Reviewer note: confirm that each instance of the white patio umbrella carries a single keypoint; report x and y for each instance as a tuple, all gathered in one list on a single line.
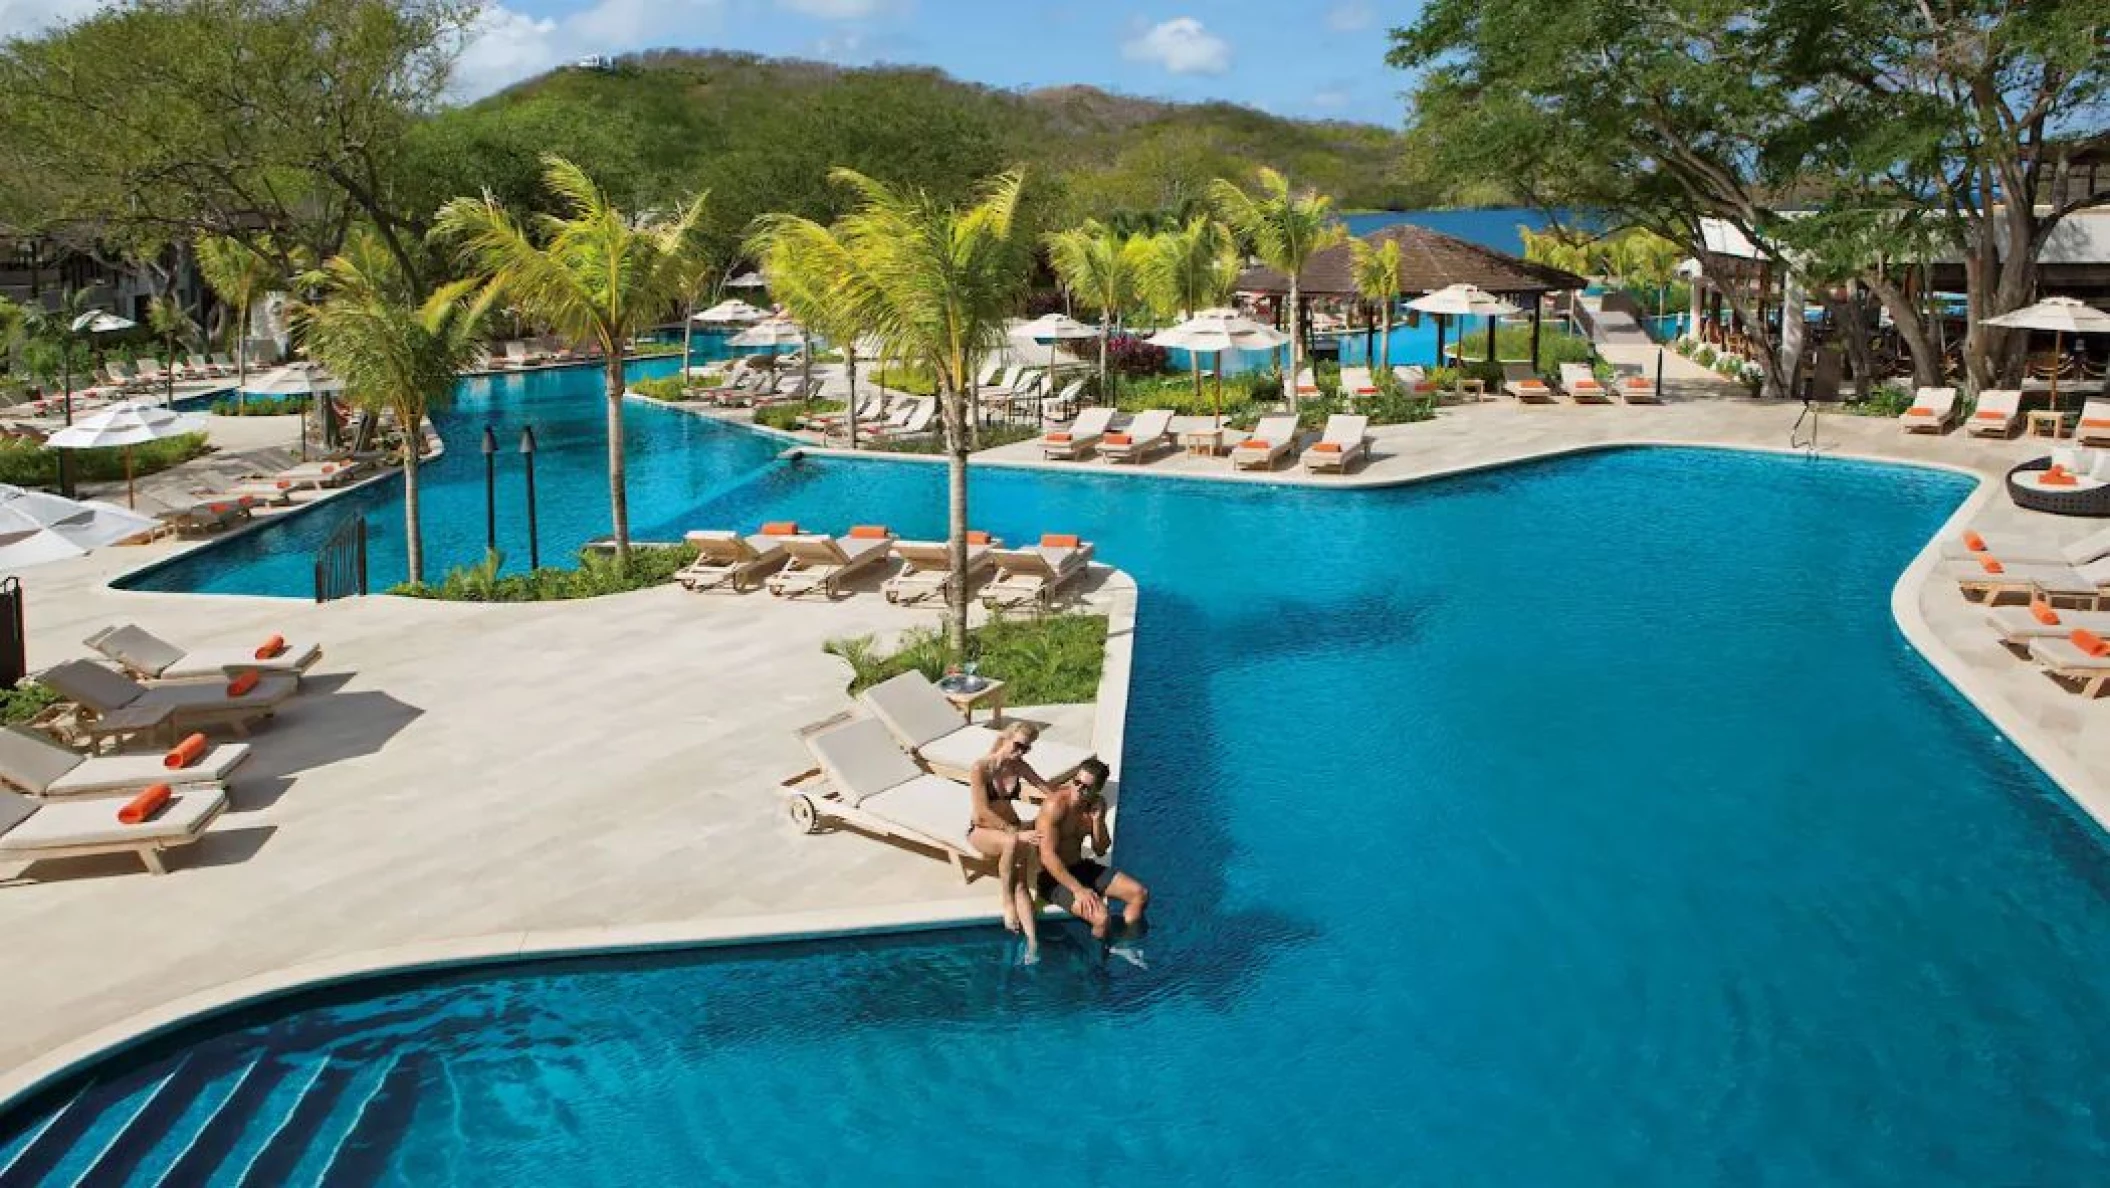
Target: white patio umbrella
[(1052, 329), (774, 332), (125, 424), (732, 312), (1214, 331), (1460, 300), (748, 280), (95, 321), (36, 527), (297, 379), (2060, 315)]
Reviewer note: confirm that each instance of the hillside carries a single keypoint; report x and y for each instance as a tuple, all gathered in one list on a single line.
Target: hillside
[(761, 133)]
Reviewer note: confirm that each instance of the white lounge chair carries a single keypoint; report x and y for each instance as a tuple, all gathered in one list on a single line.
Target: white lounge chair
[(926, 570), (916, 713), (821, 564), (1307, 383), (1079, 438), (37, 766), (31, 830), (1582, 385), (915, 422), (867, 781), (2017, 625), (2092, 547), (1414, 379), (149, 657), (2088, 583), (1034, 576), (1265, 446), (1999, 413), (1634, 385), (2094, 429), (1344, 442), (728, 560), (1357, 381), (113, 705), (1150, 431), (1933, 410), (2081, 656), (1522, 382)]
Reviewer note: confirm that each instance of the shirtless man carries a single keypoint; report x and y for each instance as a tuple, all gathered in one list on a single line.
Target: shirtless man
[(1074, 811)]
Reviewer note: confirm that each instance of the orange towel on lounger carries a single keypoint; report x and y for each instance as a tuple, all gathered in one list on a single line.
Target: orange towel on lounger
[(1326, 447), (185, 753), (283, 484), (144, 805), (1990, 414), (2056, 478), (1118, 439), (2041, 611), (1060, 438), (781, 528), (1991, 566), (271, 648), (2095, 423), (1638, 383), (975, 537), (1974, 542), (869, 532), (1253, 443), (1059, 540), (242, 684), (2091, 643), (1919, 411)]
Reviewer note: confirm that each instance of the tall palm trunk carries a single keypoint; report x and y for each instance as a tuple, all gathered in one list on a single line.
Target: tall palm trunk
[(618, 480), (1296, 346), (1384, 344), (1106, 330), (413, 538), (688, 338), (241, 361), (850, 407), (956, 520)]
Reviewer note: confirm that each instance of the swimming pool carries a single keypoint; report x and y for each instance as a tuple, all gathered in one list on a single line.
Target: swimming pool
[(1585, 822)]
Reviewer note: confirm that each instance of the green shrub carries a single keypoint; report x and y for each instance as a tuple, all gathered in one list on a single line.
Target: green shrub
[(914, 379), (1704, 356), (1884, 400), (1002, 433), (25, 701), (260, 406), (598, 573), (664, 388), (1514, 342), (786, 416), (26, 464), (1050, 660)]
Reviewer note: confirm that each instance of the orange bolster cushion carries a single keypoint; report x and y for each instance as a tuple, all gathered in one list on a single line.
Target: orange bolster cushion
[(1588, 383), (1326, 447), (144, 805), (1424, 386), (1302, 388), (1118, 439), (329, 468), (1060, 437), (2096, 422), (1638, 382), (781, 528), (1059, 540), (185, 753), (271, 648), (283, 484), (2091, 643), (2041, 611), (977, 537), (1918, 410), (1253, 443), (1974, 542), (1990, 414), (1991, 566), (218, 509), (1531, 383), (2057, 478), (869, 532), (242, 684), (1366, 390)]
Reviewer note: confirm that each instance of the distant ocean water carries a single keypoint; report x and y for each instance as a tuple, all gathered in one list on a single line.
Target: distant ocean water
[(1495, 227)]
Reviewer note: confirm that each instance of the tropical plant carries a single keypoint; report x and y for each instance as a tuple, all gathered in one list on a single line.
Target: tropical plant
[(241, 276), (1376, 270), (592, 273), (1285, 229), (813, 274), (697, 274), (1189, 270), (174, 326), (395, 354), (1102, 270)]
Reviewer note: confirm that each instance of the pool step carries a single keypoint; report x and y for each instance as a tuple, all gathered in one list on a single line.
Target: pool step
[(221, 1119), (274, 1162), (39, 1149), (374, 1129), (148, 1126), (95, 1118)]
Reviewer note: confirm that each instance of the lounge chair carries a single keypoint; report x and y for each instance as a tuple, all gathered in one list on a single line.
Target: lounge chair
[(1520, 381), (321, 473), (1344, 442), (915, 422), (868, 782), (1307, 383), (869, 409), (1356, 381), (1583, 386), (728, 560), (208, 516), (2017, 625), (1414, 379), (1265, 446), (1150, 431), (31, 830), (37, 766), (821, 564), (916, 713), (225, 363), (2094, 429), (1999, 413), (1991, 579), (1033, 576), (113, 705), (1933, 410), (1079, 438), (149, 371), (1634, 385), (2092, 547), (2081, 656), (927, 568), (151, 658)]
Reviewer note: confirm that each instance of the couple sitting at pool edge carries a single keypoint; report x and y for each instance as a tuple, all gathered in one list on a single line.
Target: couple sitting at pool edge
[(1047, 855)]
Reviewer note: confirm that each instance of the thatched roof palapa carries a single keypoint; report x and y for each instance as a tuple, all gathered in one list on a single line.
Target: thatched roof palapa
[(1428, 261)]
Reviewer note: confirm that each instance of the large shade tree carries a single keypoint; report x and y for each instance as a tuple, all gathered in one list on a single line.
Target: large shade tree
[(395, 353), (593, 273), (1285, 228), (1102, 269)]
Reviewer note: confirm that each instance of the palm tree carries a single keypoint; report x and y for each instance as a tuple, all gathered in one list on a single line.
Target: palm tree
[(595, 274), (394, 354), (175, 327), (934, 283), (241, 276), (813, 273), (697, 274), (1186, 271), (1286, 229), (1102, 270), (1376, 271)]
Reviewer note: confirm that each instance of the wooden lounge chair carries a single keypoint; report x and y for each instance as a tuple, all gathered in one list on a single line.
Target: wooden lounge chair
[(1413, 379), (1079, 437), (2018, 625), (1633, 385), (1971, 546), (1991, 579), (1520, 381), (1149, 432), (1999, 413), (38, 766), (1583, 385), (869, 409), (1035, 576), (2081, 656), (916, 713), (1357, 381), (151, 658), (730, 561), (926, 570), (862, 779), (2094, 429), (1344, 442), (1307, 383), (821, 564), (113, 705), (1266, 445), (1933, 410), (31, 830), (209, 516)]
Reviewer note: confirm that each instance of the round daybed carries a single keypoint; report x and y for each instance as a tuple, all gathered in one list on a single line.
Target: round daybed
[(2086, 497)]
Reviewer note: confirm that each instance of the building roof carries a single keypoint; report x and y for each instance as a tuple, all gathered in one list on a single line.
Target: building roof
[(1428, 261)]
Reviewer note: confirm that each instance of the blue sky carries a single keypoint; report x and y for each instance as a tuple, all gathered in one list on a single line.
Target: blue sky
[(1318, 58)]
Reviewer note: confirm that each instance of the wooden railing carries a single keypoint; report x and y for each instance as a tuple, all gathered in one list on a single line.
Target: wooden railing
[(340, 565)]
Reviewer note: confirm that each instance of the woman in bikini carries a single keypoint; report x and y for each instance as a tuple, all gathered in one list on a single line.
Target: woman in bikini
[(996, 787)]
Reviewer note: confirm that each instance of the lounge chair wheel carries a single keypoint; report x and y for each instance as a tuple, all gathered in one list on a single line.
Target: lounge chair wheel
[(804, 815)]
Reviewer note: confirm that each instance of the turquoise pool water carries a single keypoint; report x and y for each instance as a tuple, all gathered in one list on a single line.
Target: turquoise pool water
[(1580, 823)]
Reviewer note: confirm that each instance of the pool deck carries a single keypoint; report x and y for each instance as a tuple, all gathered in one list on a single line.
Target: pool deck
[(463, 781)]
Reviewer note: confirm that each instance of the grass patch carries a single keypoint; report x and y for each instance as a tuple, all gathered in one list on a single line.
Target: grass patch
[(1052, 660), (664, 388), (786, 416), (1000, 434), (912, 379), (26, 464), (25, 701), (598, 574), (261, 406)]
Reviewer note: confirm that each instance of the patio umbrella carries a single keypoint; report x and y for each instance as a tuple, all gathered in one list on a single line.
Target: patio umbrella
[(1214, 331), (727, 313), (125, 424), (95, 321), (1052, 329), (748, 280), (774, 332), (36, 527), (1460, 301), (298, 379), (2060, 315)]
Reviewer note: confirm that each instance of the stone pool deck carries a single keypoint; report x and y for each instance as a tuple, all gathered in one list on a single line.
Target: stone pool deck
[(483, 780)]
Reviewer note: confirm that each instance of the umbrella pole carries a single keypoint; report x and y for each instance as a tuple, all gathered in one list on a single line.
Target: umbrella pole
[(2056, 342), (1219, 391), (131, 496)]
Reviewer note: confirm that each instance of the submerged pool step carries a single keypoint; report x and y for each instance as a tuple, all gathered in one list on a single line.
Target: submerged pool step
[(36, 1151), (147, 1126), (281, 1152), (367, 1124), (218, 1116), (94, 1120)]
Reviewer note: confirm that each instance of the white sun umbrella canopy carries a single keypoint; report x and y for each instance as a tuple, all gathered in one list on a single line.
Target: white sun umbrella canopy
[(1214, 331), (1461, 300), (2060, 315), (733, 312), (127, 424), (774, 332), (295, 379), (748, 280), (36, 527), (95, 321)]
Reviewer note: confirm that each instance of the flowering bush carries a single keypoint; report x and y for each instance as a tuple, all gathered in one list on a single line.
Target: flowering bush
[(1127, 354)]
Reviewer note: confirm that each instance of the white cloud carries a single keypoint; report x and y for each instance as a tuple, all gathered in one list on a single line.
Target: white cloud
[(1349, 16), (1331, 100), (25, 18), (835, 10), (1182, 46), (504, 46)]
